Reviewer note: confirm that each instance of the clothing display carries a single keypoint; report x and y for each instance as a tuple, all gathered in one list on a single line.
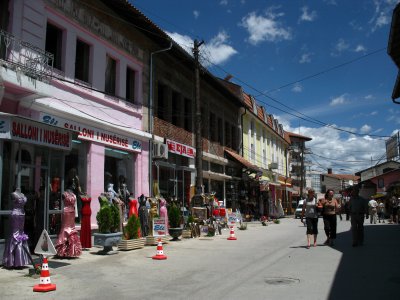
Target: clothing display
[(133, 207), (16, 252), (86, 232), (153, 213), (121, 208), (143, 216), (68, 243), (164, 213)]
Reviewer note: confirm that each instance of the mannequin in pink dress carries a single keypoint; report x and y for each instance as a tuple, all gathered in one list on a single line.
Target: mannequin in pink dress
[(133, 209), (68, 242), (164, 213)]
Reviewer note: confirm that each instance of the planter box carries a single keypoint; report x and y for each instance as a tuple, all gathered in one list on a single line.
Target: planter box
[(131, 244), (186, 234), (107, 240), (152, 241)]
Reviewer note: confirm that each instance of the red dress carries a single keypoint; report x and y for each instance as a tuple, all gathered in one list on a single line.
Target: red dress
[(86, 232), (133, 209)]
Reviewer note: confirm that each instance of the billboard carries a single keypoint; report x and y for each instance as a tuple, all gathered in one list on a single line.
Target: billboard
[(392, 147)]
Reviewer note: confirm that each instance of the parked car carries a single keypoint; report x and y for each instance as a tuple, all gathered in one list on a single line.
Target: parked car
[(299, 209)]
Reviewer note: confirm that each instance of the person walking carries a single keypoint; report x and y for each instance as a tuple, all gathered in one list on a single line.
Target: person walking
[(310, 212), (373, 211), (381, 212), (329, 209), (339, 211), (358, 209)]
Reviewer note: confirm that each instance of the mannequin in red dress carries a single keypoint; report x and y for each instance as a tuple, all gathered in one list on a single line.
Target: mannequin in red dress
[(86, 232), (134, 209)]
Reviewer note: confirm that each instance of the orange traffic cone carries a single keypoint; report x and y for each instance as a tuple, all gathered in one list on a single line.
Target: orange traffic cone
[(160, 252), (45, 284), (232, 236)]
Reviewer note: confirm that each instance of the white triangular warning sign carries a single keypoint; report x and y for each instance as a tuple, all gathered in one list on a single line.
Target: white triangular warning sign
[(44, 246)]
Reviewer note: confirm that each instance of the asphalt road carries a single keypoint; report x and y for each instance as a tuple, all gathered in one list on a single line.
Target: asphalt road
[(265, 262)]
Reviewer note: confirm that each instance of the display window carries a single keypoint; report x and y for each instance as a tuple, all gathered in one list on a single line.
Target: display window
[(31, 168)]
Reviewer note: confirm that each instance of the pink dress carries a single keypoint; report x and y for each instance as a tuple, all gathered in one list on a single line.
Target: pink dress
[(68, 242), (164, 213)]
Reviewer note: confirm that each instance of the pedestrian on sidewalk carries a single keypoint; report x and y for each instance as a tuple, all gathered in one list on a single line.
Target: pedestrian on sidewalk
[(373, 211), (339, 210), (381, 211), (358, 209), (310, 212), (329, 209)]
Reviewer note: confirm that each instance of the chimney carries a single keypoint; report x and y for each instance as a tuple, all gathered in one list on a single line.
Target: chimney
[(329, 170), (228, 77)]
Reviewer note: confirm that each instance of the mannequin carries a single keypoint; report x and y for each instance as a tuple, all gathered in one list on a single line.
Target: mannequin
[(133, 206), (152, 214), (86, 232), (123, 190), (68, 243), (74, 185), (164, 212), (143, 216), (16, 252)]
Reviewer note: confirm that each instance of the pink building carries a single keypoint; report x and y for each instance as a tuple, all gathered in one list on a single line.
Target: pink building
[(71, 107)]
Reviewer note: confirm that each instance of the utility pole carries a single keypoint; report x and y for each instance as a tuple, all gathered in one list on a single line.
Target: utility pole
[(302, 170), (199, 144)]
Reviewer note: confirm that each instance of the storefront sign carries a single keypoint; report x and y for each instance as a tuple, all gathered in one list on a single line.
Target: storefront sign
[(23, 130), (94, 134), (181, 149), (159, 227)]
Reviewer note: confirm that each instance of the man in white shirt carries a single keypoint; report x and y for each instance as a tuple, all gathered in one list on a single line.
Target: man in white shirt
[(373, 210)]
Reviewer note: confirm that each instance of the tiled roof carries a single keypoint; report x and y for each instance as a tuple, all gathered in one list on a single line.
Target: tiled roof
[(292, 134)]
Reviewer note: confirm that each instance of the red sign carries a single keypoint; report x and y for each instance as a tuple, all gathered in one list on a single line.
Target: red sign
[(181, 149)]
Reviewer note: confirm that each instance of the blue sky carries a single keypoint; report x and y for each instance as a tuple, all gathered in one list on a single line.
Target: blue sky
[(322, 61)]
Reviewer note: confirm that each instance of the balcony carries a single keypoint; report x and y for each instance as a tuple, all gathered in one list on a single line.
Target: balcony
[(25, 58)]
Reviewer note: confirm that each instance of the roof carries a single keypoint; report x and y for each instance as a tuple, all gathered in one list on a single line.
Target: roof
[(379, 165), (242, 160), (299, 136), (343, 176)]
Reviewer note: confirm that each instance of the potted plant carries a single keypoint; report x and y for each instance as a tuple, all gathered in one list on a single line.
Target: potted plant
[(108, 223), (131, 239), (174, 218)]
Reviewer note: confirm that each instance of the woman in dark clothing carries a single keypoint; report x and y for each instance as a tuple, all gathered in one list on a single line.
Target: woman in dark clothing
[(330, 207)]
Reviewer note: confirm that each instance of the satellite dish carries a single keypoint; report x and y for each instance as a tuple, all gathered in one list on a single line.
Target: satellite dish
[(350, 182)]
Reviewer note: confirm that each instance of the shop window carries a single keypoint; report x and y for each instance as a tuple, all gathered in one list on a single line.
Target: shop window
[(111, 76), (130, 85), (117, 166), (82, 61), (54, 36)]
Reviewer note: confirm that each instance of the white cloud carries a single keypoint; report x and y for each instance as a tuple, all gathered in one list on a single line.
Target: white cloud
[(305, 58), (365, 128), (369, 97), (338, 101), (382, 13), (339, 47), (297, 88), (196, 14), (330, 2), (216, 51), (360, 48), (265, 27), (223, 2), (307, 16)]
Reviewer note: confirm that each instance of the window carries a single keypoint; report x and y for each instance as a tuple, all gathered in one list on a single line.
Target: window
[(228, 141), (253, 153), (54, 44), (213, 127), (176, 107), (188, 115), (130, 85), (220, 131), (234, 138), (161, 102), (82, 58), (111, 75)]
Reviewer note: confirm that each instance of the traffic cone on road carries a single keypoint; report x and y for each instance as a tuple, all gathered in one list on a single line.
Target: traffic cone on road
[(160, 252), (232, 236), (45, 284)]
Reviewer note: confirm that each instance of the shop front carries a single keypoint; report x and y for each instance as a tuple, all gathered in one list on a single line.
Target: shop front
[(172, 178), (33, 161)]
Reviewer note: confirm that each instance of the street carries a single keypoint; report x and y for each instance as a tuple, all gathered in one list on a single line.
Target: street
[(265, 262)]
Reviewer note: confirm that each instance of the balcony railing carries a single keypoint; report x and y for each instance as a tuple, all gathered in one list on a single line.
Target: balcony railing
[(24, 57)]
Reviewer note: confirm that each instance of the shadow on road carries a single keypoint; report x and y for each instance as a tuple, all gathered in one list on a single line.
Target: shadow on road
[(371, 271)]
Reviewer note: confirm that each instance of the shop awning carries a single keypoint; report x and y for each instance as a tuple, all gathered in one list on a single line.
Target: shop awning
[(85, 111), (243, 161), (378, 195)]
